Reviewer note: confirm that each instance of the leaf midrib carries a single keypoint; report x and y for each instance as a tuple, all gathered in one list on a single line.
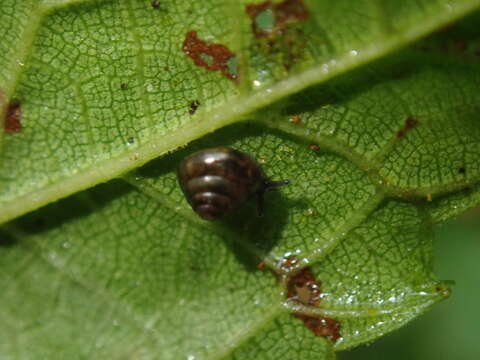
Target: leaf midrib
[(225, 115)]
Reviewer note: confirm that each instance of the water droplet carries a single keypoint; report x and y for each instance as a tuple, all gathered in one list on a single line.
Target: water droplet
[(353, 53), (150, 88), (256, 83)]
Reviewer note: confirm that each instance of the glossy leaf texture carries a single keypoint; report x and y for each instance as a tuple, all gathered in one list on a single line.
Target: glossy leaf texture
[(375, 127)]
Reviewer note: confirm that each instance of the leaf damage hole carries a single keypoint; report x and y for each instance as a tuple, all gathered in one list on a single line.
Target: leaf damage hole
[(410, 123), (277, 25), (303, 288), (211, 56), (13, 117)]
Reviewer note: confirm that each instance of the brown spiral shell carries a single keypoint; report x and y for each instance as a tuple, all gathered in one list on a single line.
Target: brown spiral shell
[(217, 181)]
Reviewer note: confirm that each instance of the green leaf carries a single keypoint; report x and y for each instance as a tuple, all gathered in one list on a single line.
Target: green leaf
[(379, 141)]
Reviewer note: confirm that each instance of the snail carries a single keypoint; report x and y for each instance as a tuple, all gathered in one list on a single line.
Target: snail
[(219, 180)]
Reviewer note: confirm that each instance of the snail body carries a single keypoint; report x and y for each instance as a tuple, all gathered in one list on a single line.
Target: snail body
[(217, 181)]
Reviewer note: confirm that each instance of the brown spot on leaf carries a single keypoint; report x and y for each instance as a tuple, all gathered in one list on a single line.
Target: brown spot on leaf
[(211, 56), (295, 119), (270, 19), (410, 123), (193, 107), (124, 86), (276, 24), (314, 147), (261, 265), (302, 287), (289, 263), (322, 326), (13, 116)]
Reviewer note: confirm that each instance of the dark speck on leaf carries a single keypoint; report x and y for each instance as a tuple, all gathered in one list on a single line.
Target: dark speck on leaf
[(193, 107), (124, 86), (462, 170), (131, 140), (155, 4)]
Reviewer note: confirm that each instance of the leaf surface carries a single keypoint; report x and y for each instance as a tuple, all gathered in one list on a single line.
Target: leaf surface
[(379, 144)]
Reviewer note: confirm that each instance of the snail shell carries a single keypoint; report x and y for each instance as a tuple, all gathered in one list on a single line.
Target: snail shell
[(219, 180)]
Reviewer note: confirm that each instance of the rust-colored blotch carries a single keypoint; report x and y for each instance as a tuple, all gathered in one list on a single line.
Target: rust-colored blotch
[(211, 56), (305, 289), (13, 118), (322, 326), (410, 123), (261, 265), (296, 119), (289, 263), (285, 13)]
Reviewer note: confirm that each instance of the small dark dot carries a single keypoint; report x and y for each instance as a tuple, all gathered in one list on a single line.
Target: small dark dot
[(124, 86), (462, 170), (155, 4), (193, 107), (131, 140)]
